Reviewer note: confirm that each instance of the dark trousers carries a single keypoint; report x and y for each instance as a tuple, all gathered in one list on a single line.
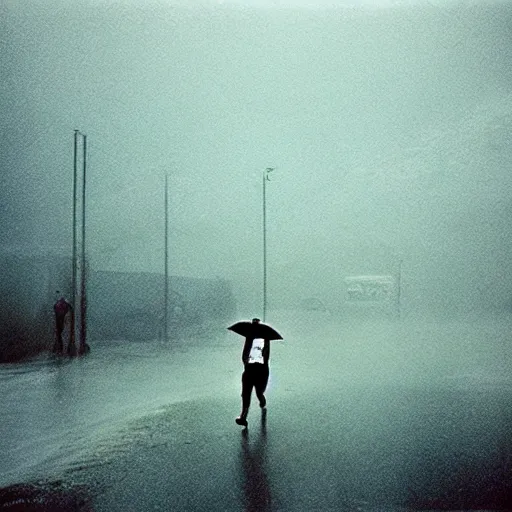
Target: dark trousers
[(255, 376), (59, 328)]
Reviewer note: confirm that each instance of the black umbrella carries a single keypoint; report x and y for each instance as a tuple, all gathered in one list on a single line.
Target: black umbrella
[(255, 330)]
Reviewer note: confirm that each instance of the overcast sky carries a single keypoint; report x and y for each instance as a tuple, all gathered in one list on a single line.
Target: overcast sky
[(389, 129)]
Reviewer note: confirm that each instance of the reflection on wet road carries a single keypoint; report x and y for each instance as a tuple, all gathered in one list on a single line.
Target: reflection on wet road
[(257, 495)]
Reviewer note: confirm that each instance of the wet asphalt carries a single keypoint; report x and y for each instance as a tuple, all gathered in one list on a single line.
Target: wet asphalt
[(336, 452), (358, 428)]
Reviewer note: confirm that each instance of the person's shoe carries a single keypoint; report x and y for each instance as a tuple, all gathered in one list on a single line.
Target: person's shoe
[(241, 421)]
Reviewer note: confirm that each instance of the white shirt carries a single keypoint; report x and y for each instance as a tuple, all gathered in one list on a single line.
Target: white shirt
[(256, 353)]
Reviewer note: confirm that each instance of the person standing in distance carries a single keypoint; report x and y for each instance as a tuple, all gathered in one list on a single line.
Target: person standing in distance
[(61, 308)]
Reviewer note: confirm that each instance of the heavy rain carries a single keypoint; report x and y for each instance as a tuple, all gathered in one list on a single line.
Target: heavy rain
[(338, 169)]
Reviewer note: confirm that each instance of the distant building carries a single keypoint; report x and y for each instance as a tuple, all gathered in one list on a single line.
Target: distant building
[(370, 288), (130, 305), (120, 305), (371, 294)]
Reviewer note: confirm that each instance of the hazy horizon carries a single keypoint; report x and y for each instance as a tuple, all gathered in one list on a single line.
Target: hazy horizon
[(389, 130)]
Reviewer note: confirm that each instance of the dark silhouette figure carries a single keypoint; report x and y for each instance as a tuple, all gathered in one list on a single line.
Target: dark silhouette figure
[(255, 356), (61, 308)]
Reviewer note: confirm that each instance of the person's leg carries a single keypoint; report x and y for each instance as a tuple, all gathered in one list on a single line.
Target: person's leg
[(261, 384), (59, 327), (247, 385)]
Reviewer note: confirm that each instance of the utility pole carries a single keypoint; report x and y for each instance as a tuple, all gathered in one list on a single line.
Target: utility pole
[(83, 271), (71, 344), (83, 287), (166, 261), (266, 178)]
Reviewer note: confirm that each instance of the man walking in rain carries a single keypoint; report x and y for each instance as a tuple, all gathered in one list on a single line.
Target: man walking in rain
[(255, 356)]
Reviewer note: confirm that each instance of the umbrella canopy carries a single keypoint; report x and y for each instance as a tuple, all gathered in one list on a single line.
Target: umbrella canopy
[(255, 330)]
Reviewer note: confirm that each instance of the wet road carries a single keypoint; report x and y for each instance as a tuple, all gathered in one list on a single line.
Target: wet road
[(381, 415), (55, 408)]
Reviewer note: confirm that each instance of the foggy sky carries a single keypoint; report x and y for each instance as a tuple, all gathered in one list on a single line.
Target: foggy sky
[(389, 130)]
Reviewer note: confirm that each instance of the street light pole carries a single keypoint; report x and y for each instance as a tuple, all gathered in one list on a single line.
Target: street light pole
[(266, 178)]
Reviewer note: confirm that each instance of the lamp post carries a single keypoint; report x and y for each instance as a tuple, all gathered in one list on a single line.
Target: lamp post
[(266, 178)]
